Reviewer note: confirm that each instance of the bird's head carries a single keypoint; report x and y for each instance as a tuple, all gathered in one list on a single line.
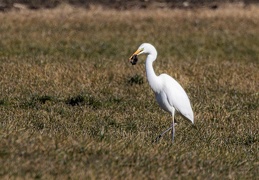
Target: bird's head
[(144, 48)]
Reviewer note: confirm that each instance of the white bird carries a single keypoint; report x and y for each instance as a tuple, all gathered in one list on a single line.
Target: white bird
[(169, 94)]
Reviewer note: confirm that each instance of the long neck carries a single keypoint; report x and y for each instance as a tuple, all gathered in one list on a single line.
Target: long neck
[(151, 76)]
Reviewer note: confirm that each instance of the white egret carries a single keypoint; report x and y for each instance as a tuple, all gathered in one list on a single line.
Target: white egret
[(169, 94)]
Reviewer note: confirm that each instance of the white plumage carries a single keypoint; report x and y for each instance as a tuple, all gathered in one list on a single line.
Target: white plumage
[(169, 94)]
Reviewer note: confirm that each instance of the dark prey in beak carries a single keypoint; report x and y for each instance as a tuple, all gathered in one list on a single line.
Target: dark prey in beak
[(134, 59)]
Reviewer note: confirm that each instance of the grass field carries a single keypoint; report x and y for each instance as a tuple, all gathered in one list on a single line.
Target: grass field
[(72, 106)]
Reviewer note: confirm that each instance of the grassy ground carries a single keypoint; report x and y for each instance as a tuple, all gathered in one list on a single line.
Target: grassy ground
[(72, 106)]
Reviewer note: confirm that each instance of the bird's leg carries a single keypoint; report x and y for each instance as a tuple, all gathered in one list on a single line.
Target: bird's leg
[(173, 129), (160, 135)]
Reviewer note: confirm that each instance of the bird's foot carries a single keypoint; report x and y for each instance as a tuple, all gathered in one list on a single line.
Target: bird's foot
[(162, 134), (157, 139)]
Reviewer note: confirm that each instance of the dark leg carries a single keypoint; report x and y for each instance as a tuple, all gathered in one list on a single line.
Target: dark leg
[(161, 135)]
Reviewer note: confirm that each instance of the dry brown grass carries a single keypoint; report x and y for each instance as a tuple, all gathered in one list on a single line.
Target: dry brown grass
[(72, 107)]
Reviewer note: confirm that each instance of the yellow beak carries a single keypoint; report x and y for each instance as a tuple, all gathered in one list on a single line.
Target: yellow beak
[(135, 53)]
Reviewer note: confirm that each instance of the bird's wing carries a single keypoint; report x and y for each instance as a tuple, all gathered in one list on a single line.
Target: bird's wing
[(177, 97)]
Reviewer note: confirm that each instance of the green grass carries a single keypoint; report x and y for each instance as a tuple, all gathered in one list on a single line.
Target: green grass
[(72, 106)]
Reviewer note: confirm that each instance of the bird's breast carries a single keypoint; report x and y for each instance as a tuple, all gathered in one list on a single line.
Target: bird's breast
[(162, 100)]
